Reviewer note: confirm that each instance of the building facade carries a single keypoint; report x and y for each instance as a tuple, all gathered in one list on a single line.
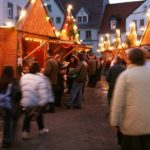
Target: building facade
[(9, 10), (56, 12), (139, 17), (112, 33)]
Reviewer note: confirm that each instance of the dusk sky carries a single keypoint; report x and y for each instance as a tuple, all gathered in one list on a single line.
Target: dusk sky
[(120, 1)]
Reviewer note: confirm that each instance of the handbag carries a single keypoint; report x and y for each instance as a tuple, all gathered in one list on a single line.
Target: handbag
[(5, 99)]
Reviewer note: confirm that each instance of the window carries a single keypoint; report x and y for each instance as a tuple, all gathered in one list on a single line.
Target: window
[(58, 20), (84, 18), (49, 7), (142, 22), (10, 10), (113, 24), (18, 10), (79, 19), (88, 35)]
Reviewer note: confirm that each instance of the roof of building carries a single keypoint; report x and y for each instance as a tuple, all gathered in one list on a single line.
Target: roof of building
[(60, 5), (120, 11), (93, 7), (30, 22)]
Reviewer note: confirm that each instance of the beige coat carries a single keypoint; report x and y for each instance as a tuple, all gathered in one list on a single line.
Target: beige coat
[(131, 101)]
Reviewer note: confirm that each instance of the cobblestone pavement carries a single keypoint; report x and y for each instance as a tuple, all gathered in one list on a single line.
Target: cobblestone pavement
[(86, 129)]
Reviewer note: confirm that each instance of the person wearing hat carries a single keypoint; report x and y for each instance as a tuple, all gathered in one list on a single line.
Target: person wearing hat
[(76, 94)]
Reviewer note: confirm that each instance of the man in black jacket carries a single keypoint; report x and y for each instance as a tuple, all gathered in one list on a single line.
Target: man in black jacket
[(111, 77), (112, 74)]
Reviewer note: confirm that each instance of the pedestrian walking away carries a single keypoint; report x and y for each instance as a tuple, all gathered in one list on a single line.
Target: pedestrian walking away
[(131, 105)]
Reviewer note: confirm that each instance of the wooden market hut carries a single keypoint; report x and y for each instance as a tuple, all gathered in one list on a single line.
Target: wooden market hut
[(36, 35), (8, 47), (66, 48), (35, 30), (119, 47), (29, 39)]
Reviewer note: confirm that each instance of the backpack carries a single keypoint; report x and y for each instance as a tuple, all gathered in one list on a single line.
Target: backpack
[(5, 98)]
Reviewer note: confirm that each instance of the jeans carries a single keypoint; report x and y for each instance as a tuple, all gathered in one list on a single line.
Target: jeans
[(76, 94), (28, 118), (92, 80), (10, 119)]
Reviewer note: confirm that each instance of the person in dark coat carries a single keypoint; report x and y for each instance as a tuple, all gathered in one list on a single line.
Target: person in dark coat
[(51, 71), (92, 70), (112, 74), (111, 77), (59, 89), (76, 94)]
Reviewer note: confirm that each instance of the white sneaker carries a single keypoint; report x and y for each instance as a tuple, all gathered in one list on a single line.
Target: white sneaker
[(44, 131), (25, 136)]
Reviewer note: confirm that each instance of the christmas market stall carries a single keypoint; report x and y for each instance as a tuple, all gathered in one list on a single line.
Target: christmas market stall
[(8, 47), (35, 34), (118, 47), (35, 31), (29, 39)]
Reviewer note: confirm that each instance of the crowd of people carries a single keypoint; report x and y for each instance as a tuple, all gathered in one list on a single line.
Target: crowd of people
[(38, 90)]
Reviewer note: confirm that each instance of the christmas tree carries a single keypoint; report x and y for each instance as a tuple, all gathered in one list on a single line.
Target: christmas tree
[(70, 29), (117, 42)]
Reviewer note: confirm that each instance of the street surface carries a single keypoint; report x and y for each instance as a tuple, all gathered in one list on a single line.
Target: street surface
[(73, 129)]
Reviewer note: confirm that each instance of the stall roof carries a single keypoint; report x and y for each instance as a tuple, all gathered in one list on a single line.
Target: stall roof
[(35, 19), (145, 40)]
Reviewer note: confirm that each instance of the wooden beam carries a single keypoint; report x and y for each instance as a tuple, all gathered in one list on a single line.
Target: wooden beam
[(35, 50)]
